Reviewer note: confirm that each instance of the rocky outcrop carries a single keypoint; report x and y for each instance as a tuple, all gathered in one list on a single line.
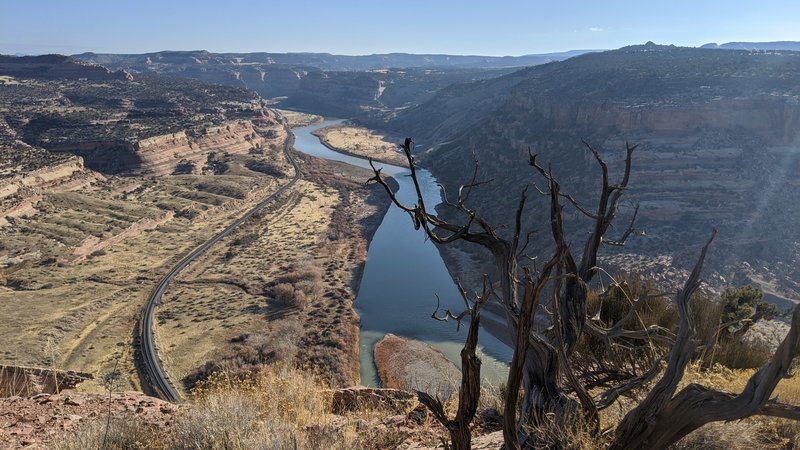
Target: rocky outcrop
[(359, 398), (42, 177), (28, 381), (162, 154), (20, 193), (717, 135), (35, 422), (94, 244), (58, 66), (772, 118)]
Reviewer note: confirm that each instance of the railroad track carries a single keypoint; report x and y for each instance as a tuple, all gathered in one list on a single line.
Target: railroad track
[(152, 374)]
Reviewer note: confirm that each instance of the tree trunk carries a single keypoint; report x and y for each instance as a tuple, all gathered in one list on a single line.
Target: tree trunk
[(696, 406)]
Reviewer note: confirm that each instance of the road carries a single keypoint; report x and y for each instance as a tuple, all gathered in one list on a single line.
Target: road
[(152, 374)]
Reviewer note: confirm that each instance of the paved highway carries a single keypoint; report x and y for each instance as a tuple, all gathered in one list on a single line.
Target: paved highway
[(151, 372)]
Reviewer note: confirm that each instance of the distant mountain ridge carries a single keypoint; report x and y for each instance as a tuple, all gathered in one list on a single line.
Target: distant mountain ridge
[(756, 46), (333, 85), (57, 67), (330, 62)]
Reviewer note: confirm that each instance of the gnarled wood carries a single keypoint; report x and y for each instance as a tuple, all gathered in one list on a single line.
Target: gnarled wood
[(470, 389), (670, 419)]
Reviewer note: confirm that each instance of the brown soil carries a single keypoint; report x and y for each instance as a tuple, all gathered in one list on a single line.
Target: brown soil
[(36, 421), (414, 365)]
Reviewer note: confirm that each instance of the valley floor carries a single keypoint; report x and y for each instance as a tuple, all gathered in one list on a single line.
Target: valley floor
[(77, 268)]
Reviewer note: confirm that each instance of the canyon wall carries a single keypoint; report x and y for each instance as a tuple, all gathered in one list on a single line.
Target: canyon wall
[(718, 145), (161, 155), (42, 177)]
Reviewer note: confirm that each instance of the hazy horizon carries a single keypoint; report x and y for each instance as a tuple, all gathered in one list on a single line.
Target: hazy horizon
[(363, 28)]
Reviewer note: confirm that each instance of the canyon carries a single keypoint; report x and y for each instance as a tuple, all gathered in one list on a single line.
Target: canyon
[(717, 137)]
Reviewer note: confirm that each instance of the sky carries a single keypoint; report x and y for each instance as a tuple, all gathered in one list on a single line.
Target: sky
[(485, 27)]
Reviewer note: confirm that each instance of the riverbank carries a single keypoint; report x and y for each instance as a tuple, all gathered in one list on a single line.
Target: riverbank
[(296, 119), (404, 271), (411, 365), (362, 143), (282, 287)]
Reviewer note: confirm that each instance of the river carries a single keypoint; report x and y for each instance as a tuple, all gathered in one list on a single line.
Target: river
[(402, 273)]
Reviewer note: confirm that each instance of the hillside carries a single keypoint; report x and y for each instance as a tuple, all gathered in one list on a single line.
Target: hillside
[(751, 46), (106, 182), (717, 134)]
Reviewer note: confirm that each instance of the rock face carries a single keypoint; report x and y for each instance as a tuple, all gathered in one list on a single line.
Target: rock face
[(413, 365), (153, 126), (57, 66), (162, 154), (42, 177), (359, 398), (717, 133), (333, 85), (28, 381), (35, 422), (326, 61)]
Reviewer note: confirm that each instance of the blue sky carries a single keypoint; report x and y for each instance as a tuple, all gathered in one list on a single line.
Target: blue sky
[(486, 27)]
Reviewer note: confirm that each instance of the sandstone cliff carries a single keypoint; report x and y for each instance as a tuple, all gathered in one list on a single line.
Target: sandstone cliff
[(57, 66), (42, 177), (162, 154)]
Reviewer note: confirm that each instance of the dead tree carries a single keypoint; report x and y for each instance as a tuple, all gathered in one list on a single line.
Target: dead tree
[(542, 359), (663, 418), (470, 389), (536, 362)]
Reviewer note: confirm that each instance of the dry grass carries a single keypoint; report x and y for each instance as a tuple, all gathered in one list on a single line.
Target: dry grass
[(123, 433), (278, 407), (87, 307), (298, 119), (280, 267), (362, 142), (753, 432), (275, 408)]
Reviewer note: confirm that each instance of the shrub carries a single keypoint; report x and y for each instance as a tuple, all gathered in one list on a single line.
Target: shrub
[(299, 286), (121, 433), (613, 306), (720, 328)]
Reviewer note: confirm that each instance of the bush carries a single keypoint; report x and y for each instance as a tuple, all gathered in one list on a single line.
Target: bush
[(289, 296), (615, 305), (720, 328), (299, 286), (738, 307), (744, 306)]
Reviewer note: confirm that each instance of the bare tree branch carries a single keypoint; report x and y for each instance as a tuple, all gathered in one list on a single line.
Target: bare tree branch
[(469, 390)]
